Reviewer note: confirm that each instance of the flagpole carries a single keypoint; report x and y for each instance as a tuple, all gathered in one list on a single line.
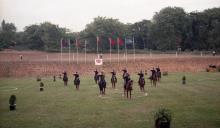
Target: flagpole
[(126, 51), (133, 48), (77, 52), (118, 49), (85, 51), (61, 50), (110, 49), (69, 51), (97, 43)]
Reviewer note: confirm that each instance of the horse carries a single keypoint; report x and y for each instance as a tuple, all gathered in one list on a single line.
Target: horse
[(153, 77), (128, 87), (65, 78), (54, 78), (158, 73), (96, 77), (76, 80), (102, 84), (113, 79), (126, 77), (141, 81)]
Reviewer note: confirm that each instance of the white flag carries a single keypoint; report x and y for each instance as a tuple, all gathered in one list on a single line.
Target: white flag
[(98, 61)]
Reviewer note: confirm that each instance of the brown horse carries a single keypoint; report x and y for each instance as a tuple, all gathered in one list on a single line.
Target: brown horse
[(141, 81), (158, 72), (153, 77), (126, 77), (102, 84), (76, 80), (65, 78), (128, 87), (96, 76), (113, 79)]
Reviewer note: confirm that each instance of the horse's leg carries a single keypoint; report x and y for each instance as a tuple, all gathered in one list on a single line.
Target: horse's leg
[(127, 94), (130, 93), (104, 91)]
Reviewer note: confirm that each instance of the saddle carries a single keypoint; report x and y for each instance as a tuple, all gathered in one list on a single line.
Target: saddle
[(77, 81), (129, 85), (65, 78), (141, 81), (114, 79)]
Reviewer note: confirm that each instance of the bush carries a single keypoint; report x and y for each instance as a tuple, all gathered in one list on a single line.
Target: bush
[(184, 80), (41, 84), (38, 78), (218, 68), (165, 73), (162, 118), (12, 100), (207, 70)]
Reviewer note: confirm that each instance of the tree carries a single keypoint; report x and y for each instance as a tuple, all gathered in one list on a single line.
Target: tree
[(104, 28), (45, 36), (141, 32), (169, 28), (7, 35)]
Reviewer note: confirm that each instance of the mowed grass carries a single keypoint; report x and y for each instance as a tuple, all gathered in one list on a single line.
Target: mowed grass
[(194, 105)]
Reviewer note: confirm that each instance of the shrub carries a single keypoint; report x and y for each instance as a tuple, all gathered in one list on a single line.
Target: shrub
[(41, 84), (207, 69), (38, 78), (162, 118), (184, 80), (12, 100), (165, 73)]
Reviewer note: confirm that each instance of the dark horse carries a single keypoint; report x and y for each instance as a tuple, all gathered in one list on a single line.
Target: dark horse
[(127, 82), (96, 77), (76, 80), (128, 87), (158, 73), (125, 77), (153, 77), (102, 84), (113, 79), (65, 78), (141, 81)]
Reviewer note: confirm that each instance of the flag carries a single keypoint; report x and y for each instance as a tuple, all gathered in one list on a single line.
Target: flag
[(98, 62), (77, 43), (112, 41), (120, 41), (64, 43)]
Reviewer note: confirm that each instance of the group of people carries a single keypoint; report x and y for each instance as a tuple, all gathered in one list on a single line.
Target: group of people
[(99, 79), (76, 79)]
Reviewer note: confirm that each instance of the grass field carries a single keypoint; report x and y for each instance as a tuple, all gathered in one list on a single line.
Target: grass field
[(194, 105)]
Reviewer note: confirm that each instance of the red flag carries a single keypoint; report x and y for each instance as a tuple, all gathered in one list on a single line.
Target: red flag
[(64, 43), (77, 43), (111, 41), (120, 41)]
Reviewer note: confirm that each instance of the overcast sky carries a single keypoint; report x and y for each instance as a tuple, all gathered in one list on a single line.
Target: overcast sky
[(75, 14)]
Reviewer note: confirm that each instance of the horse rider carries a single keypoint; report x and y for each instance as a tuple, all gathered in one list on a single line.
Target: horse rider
[(76, 80)]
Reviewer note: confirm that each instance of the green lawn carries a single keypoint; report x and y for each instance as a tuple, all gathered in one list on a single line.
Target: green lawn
[(195, 105)]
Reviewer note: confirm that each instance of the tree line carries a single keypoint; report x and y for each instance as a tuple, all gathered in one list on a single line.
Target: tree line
[(170, 29)]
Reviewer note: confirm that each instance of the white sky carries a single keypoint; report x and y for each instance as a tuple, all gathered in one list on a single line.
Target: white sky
[(75, 14)]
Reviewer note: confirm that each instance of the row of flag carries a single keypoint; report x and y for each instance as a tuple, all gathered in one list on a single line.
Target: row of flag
[(78, 43)]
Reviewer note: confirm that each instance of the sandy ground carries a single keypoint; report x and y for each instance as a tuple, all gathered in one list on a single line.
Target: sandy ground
[(41, 63)]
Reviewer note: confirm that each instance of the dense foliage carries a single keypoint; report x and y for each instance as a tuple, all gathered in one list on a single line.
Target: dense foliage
[(170, 29)]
